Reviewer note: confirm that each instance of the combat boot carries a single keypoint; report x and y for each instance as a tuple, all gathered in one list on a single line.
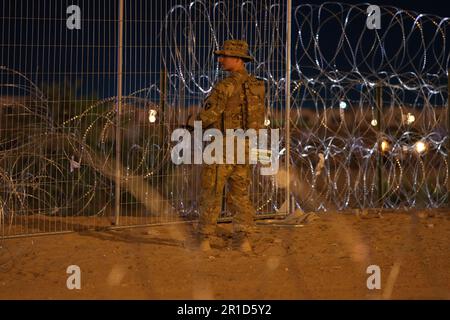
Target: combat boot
[(204, 244), (245, 246), (241, 242)]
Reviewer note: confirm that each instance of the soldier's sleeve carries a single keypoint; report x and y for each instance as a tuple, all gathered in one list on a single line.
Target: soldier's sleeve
[(215, 103)]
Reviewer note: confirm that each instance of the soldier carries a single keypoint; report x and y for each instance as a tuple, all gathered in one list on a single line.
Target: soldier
[(236, 102)]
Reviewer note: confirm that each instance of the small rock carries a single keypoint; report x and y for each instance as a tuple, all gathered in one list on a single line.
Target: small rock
[(430, 225)]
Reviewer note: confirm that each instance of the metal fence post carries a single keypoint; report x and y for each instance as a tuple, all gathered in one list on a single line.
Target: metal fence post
[(162, 107), (379, 103), (119, 113), (288, 104), (448, 137), (163, 91)]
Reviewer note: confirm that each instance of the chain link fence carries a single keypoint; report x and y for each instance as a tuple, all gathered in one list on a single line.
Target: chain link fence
[(90, 92)]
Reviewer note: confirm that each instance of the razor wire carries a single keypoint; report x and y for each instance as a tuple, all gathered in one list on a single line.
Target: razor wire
[(334, 99)]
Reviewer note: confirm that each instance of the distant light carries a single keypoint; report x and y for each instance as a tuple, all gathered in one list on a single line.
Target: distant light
[(374, 123), (384, 146), (152, 116), (410, 118), (420, 146), (267, 122), (342, 105)]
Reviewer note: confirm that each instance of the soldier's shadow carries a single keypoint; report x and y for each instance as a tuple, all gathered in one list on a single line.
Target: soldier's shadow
[(129, 237)]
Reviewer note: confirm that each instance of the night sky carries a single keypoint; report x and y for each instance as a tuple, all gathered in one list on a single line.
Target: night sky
[(35, 41)]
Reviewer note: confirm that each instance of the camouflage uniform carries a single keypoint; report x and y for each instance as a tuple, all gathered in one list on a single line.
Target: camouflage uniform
[(226, 108)]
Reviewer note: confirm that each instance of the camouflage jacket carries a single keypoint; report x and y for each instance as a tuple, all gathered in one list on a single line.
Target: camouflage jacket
[(235, 102)]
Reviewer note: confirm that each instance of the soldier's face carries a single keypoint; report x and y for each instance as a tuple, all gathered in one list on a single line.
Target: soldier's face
[(230, 63)]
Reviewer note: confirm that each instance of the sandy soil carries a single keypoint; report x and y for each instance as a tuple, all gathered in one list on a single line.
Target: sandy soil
[(326, 258)]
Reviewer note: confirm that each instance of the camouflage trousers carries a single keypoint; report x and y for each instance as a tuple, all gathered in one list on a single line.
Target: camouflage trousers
[(214, 178)]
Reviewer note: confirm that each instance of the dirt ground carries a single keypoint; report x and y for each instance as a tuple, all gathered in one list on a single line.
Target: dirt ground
[(325, 258)]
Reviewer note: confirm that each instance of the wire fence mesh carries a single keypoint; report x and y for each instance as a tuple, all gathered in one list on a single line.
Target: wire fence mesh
[(85, 95)]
